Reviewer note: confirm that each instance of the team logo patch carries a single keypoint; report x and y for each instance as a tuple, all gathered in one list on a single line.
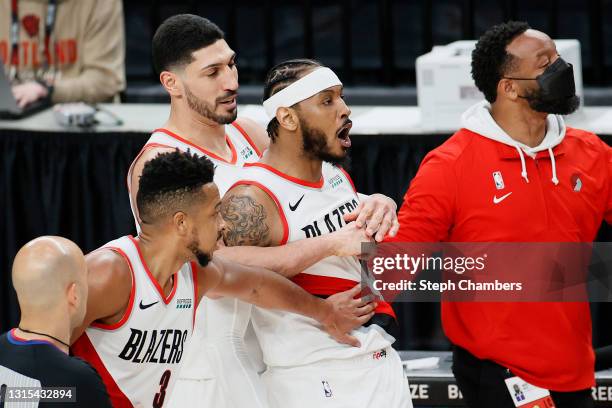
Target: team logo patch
[(380, 354), (183, 303), (335, 181), (327, 389), (246, 153), (576, 183), (499, 180)]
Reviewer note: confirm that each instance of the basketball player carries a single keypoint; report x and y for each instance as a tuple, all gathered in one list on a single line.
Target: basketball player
[(143, 291), (298, 190), (198, 70), (50, 278)]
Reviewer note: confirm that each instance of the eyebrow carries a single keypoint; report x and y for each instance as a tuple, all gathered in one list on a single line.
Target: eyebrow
[(217, 64)]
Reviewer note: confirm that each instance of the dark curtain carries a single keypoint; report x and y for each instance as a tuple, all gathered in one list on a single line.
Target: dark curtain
[(74, 185)]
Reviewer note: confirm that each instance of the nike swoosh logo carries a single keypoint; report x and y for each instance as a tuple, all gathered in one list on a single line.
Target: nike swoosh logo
[(500, 199), (143, 307), (295, 206)]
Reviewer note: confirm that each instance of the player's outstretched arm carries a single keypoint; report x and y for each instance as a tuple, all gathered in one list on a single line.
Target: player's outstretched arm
[(338, 314), (253, 232), (109, 282)]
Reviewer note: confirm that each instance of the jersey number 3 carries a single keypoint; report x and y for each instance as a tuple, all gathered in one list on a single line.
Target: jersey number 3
[(158, 401)]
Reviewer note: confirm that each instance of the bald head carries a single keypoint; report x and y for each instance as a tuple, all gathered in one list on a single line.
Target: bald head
[(45, 274)]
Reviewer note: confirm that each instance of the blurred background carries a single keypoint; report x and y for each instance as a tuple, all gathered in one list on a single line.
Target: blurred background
[(369, 43)]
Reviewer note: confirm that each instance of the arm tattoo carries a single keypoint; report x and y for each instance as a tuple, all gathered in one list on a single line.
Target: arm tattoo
[(245, 222)]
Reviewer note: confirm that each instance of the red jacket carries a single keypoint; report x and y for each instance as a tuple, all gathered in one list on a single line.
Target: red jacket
[(451, 199)]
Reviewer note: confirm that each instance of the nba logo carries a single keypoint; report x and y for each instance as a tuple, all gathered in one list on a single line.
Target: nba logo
[(499, 180), (327, 389)]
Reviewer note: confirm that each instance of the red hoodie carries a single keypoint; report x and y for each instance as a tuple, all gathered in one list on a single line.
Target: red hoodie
[(452, 199)]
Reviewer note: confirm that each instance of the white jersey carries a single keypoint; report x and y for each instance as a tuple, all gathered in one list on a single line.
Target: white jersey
[(308, 210), (226, 172), (139, 357), (218, 348)]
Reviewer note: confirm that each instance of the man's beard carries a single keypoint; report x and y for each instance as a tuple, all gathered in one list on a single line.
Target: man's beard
[(205, 109), (563, 106), (314, 144), (202, 257)]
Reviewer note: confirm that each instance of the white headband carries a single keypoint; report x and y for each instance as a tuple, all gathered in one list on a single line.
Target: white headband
[(305, 87)]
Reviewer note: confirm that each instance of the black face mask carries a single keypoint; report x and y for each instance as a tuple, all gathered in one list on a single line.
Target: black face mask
[(557, 90)]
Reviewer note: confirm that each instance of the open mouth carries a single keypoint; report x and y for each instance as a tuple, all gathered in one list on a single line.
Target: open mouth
[(343, 134)]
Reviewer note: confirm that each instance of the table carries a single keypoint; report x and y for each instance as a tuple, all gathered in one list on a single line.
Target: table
[(367, 120), (436, 387)]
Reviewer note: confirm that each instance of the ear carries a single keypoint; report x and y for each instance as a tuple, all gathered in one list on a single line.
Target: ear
[(171, 82), (508, 89), (287, 118), (180, 223), (72, 294)]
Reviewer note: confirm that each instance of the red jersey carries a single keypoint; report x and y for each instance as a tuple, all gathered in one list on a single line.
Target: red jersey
[(560, 194)]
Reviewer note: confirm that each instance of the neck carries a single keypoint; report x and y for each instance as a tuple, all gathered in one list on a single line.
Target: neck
[(290, 159), (54, 324), (197, 129), (523, 124), (160, 256)]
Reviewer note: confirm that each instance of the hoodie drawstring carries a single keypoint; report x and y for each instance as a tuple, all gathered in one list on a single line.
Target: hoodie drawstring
[(523, 166), (554, 179), (553, 164)]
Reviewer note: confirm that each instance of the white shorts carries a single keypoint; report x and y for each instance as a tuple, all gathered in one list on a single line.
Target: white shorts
[(235, 387), (219, 367), (203, 393), (374, 380)]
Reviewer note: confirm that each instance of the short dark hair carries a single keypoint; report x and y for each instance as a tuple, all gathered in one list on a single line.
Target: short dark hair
[(490, 60), (169, 183), (178, 37), (281, 76)]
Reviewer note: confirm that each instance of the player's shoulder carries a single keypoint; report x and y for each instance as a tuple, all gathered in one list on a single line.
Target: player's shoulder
[(150, 151), (248, 192), (255, 132), (253, 215), (109, 268)]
